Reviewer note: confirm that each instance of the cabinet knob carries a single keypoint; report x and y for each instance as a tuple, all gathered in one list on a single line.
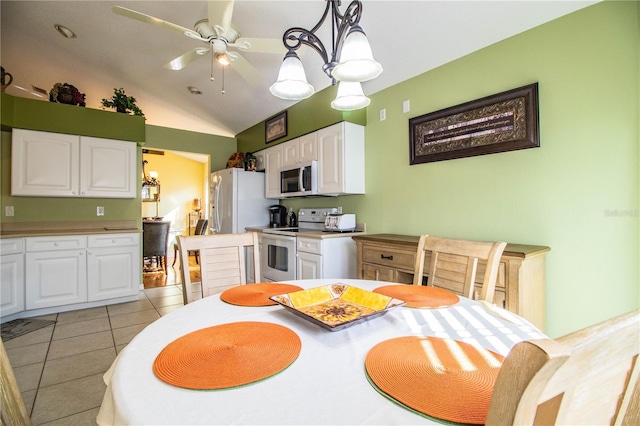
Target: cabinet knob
[(390, 257), (56, 244)]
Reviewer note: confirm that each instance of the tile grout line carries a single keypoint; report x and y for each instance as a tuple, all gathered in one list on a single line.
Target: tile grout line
[(44, 365)]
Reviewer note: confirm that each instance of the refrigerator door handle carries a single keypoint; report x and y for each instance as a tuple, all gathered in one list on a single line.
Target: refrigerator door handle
[(216, 206)]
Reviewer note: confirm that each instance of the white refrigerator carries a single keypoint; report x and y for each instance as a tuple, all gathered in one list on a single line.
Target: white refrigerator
[(237, 201)]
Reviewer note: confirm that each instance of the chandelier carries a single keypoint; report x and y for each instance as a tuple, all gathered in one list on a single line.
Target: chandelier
[(349, 63)]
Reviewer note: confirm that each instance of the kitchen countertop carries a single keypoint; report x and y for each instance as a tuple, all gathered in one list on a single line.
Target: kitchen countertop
[(310, 234), (44, 229)]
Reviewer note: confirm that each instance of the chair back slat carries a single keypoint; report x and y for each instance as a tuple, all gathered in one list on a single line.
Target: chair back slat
[(222, 261), (586, 377), (454, 264)]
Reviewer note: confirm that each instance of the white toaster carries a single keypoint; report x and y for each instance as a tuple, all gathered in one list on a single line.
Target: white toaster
[(340, 222)]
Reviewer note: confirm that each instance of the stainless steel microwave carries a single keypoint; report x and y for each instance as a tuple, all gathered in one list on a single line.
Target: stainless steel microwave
[(299, 180)]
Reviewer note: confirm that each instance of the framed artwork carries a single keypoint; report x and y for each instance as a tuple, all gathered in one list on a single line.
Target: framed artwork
[(502, 122), (275, 127)]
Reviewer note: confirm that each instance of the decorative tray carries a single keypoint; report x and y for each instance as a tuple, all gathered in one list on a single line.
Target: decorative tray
[(336, 306)]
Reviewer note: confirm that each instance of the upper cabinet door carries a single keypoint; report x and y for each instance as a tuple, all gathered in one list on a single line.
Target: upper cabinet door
[(273, 163), (59, 165), (107, 168), (341, 159), (44, 164), (308, 147), (290, 152)]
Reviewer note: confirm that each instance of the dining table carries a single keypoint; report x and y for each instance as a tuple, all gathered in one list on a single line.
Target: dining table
[(325, 384)]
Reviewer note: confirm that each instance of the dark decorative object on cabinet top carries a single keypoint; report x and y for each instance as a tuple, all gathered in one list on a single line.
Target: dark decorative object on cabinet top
[(66, 94)]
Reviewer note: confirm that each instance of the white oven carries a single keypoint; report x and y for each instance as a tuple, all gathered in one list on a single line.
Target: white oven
[(278, 258)]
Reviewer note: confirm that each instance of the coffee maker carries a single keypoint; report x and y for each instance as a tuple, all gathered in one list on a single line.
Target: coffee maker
[(277, 216)]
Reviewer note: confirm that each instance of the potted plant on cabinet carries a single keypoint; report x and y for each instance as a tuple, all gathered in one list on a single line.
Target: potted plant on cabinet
[(122, 103)]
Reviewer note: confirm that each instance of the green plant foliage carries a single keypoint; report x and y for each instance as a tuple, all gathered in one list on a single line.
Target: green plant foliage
[(122, 103)]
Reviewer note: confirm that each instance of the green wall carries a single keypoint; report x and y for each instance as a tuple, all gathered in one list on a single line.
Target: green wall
[(304, 117), (219, 148), (54, 117), (577, 193)]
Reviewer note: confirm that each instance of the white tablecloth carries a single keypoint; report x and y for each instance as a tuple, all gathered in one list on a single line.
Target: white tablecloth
[(325, 385)]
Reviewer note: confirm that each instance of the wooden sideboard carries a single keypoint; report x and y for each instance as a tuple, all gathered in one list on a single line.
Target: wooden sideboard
[(520, 287)]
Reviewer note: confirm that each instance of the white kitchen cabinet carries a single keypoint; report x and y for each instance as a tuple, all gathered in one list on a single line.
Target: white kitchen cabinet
[(45, 164), (113, 266), (60, 165), (248, 258), (11, 276), (333, 257), (107, 168), (341, 159), (273, 163), (56, 271), (300, 150)]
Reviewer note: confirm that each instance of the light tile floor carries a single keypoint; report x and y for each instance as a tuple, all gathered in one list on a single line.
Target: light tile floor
[(59, 368)]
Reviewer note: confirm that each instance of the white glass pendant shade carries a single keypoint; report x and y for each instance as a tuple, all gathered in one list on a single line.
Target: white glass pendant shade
[(356, 59), (350, 97), (292, 81)]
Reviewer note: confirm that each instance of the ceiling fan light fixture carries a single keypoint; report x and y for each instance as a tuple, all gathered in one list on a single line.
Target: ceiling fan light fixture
[(350, 97), (356, 59), (223, 59), (292, 81), (66, 32)]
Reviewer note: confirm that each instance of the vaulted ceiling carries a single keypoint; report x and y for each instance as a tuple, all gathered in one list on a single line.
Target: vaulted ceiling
[(111, 51)]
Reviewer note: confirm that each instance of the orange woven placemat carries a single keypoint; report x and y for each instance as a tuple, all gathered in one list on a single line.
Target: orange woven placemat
[(227, 355), (256, 294), (442, 378), (419, 296)]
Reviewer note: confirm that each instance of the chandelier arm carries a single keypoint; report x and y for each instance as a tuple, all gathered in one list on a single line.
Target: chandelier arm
[(295, 37)]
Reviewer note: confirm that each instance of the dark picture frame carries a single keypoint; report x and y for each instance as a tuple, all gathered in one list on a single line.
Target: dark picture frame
[(275, 127), (506, 121)]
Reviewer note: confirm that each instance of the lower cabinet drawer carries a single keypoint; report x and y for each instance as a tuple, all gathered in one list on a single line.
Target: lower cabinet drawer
[(378, 273), (389, 257)]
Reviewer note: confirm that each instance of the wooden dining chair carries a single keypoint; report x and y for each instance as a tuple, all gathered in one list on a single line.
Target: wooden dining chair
[(201, 229), (155, 237), (12, 408), (454, 264), (587, 377), (222, 261)]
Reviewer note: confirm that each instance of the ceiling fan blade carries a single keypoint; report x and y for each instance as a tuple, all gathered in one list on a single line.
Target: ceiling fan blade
[(138, 16), (184, 60), (244, 68), (261, 45), (220, 13)]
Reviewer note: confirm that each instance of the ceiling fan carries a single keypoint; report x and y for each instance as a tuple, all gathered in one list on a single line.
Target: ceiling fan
[(219, 34)]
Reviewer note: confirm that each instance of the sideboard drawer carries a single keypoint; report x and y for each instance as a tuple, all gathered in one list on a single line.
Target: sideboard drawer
[(389, 257)]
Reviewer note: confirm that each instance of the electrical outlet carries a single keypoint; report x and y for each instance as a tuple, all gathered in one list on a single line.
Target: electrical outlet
[(8, 210), (100, 211), (383, 114)]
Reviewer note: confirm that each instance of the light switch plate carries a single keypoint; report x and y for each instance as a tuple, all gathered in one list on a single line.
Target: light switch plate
[(383, 114), (406, 106)]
